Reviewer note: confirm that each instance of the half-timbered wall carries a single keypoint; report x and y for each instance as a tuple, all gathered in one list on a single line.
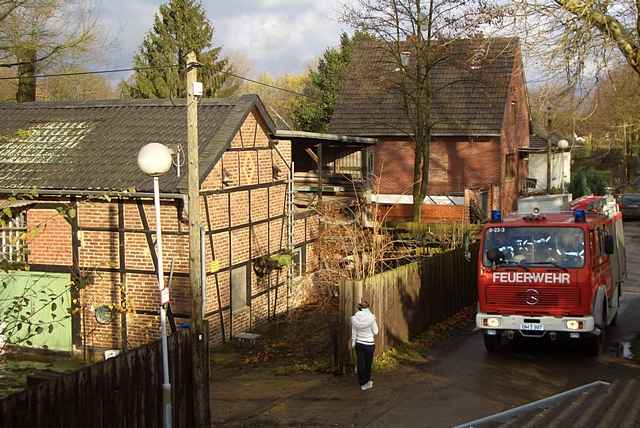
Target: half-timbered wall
[(244, 210)]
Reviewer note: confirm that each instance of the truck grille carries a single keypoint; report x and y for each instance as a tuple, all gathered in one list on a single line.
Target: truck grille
[(524, 298)]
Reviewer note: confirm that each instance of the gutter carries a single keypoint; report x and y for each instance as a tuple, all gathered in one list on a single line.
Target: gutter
[(99, 194)]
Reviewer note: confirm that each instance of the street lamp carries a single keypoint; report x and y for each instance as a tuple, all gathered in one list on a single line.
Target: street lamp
[(155, 160), (562, 146)]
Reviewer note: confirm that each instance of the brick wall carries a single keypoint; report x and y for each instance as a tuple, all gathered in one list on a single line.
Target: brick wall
[(514, 135), (99, 250), (455, 163), (51, 243), (431, 213)]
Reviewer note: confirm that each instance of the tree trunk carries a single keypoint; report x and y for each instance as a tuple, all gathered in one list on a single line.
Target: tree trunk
[(426, 149), (417, 178), (423, 146), (26, 80)]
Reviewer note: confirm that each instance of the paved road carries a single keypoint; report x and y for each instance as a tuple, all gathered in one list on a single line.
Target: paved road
[(473, 384), (461, 382)]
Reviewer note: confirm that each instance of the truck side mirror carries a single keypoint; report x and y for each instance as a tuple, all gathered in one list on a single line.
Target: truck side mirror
[(608, 244)]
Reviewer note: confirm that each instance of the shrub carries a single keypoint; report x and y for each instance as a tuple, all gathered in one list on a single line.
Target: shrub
[(589, 181)]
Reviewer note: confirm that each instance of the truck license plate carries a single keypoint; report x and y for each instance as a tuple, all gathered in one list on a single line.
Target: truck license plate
[(530, 326)]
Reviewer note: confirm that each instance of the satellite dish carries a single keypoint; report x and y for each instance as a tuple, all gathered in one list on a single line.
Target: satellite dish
[(104, 314)]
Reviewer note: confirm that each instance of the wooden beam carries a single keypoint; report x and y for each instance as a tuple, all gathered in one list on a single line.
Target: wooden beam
[(213, 256), (123, 276)]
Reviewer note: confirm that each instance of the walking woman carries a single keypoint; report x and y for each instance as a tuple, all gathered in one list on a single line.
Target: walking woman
[(363, 330)]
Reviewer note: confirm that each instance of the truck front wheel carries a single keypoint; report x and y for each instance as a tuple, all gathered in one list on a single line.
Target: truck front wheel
[(492, 342), (594, 344), (614, 321)]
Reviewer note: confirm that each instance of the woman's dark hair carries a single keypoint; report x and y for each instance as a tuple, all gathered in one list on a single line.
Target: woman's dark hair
[(363, 305)]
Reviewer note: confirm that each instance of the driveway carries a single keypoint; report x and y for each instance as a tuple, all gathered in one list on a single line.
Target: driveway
[(461, 382)]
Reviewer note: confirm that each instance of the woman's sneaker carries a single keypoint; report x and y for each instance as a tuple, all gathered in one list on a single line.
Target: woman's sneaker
[(369, 384)]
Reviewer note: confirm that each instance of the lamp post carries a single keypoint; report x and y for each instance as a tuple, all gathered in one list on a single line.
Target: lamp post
[(562, 146), (155, 160)]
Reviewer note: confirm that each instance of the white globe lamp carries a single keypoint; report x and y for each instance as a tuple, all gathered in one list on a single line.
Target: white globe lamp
[(155, 159), (563, 144)]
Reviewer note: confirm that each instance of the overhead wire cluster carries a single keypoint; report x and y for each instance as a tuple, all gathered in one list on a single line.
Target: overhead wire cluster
[(156, 67)]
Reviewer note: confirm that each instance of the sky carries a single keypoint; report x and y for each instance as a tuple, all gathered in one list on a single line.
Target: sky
[(276, 36)]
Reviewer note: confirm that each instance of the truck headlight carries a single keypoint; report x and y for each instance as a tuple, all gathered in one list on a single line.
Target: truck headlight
[(573, 324), (491, 322)]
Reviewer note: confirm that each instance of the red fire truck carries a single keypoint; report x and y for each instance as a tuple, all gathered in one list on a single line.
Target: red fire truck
[(553, 269)]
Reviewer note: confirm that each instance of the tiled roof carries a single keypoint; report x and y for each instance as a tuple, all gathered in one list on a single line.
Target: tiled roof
[(94, 145), (470, 90), (538, 142)]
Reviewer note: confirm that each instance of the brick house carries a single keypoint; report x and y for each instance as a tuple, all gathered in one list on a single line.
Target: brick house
[(481, 120), (71, 172)]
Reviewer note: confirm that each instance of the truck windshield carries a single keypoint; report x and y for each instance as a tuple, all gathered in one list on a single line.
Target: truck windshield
[(534, 246)]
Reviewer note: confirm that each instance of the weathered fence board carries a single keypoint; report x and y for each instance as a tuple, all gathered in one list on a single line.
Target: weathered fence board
[(123, 392), (408, 300)]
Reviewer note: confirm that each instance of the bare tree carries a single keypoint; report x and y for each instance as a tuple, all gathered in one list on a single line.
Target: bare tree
[(415, 37), (78, 88), (354, 243), (578, 36), (38, 34)]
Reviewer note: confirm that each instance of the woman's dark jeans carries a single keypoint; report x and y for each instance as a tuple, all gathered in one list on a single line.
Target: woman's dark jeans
[(364, 355)]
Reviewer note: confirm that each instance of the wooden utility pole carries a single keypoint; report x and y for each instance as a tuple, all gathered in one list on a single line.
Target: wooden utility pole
[(627, 157), (548, 150), (200, 341)]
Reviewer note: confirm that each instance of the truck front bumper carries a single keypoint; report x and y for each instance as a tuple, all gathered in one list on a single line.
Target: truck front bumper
[(549, 324)]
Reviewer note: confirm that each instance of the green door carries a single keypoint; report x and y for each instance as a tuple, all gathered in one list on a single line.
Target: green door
[(34, 309)]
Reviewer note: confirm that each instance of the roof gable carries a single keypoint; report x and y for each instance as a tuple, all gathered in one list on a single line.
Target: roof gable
[(470, 90), (94, 145)]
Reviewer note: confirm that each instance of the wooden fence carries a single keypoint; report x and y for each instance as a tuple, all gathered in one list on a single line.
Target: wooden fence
[(408, 300), (124, 391)]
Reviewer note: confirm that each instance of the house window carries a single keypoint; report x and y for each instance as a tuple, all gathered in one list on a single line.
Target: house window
[(12, 246), (510, 165), (239, 293), (369, 154), (298, 261)]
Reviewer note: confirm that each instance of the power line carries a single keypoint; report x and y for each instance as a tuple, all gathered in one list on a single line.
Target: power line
[(300, 94), (120, 70), (80, 73)]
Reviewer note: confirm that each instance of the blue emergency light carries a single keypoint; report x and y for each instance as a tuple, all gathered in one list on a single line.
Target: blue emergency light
[(496, 216), (580, 216)]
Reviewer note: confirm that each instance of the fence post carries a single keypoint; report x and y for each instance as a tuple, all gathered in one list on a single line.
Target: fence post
[(201, 400), (350, 293), (344, 289)]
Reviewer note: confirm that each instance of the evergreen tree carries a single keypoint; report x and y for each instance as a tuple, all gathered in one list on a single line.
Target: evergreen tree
[(579, 186), (313, 113), (180, 26)]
